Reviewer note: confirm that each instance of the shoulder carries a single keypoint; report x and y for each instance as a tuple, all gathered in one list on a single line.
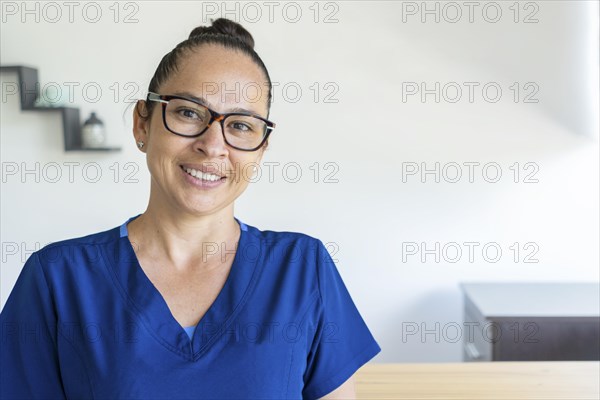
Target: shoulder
[(78, 249), (300, 257), (68, 263), (284, 239), (96, 238)]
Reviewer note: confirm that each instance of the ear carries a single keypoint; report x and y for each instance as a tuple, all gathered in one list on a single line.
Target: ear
[(140, 125)]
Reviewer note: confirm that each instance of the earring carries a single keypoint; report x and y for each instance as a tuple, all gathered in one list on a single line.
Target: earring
[(140, 144)]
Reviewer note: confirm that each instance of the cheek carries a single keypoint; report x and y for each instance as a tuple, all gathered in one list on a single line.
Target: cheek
[(162, 155), (243, 169), (158, 167)]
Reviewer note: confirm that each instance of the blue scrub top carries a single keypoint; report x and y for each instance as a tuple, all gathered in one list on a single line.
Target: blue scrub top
[(84, 321)]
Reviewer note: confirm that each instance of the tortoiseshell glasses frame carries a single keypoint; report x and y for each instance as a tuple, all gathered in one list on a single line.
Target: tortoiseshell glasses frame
[(214, 116)]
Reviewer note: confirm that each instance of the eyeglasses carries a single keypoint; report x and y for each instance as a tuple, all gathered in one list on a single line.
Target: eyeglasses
[(187, 117)]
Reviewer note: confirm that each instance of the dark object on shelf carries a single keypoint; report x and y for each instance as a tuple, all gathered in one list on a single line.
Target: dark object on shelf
[(29, 88), (532, 321), (92, 134)]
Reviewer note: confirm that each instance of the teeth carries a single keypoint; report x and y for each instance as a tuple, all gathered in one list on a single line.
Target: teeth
[(202, 175)]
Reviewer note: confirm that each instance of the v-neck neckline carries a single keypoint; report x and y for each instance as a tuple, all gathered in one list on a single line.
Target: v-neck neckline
[(155, 313)]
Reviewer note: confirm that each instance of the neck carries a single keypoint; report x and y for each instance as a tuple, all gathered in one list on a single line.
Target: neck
[(185, 240)]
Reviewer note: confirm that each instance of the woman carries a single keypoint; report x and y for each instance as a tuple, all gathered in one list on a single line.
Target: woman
[(185, 300)]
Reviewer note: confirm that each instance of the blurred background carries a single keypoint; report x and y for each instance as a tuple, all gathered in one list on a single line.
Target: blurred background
[(429, 144)]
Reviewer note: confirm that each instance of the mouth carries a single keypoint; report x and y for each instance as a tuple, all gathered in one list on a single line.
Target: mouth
[(202, 176)]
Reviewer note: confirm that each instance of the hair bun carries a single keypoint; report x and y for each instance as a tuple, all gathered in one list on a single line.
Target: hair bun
[(225, 26)]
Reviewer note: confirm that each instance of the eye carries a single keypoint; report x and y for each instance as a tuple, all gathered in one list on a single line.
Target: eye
[(240, 126), (189, 113)]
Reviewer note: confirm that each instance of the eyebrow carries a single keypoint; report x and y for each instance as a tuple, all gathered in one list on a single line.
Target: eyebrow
[(206, 103)]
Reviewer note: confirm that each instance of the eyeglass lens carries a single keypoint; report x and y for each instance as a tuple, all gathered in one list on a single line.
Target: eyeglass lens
[(188, 118)]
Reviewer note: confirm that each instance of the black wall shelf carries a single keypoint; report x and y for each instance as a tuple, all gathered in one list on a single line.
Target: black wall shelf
[(29, 88)]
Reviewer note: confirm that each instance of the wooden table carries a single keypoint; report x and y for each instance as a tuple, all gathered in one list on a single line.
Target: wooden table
[(498, 380)]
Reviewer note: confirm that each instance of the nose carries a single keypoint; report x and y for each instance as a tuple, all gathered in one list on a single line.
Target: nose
[(212, 142)]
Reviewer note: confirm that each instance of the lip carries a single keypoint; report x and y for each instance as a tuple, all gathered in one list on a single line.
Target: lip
[(200, 183), (209, 168)]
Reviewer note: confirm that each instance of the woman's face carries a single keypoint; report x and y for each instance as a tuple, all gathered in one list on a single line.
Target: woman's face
[(222, 77)]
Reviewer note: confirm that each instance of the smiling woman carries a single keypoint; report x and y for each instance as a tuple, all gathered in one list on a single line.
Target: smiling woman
[(185, 300)]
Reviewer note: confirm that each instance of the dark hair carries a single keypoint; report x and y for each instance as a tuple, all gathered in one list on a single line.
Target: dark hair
[(222, 31)]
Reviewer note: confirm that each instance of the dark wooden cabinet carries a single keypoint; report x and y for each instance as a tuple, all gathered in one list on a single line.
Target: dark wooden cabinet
[(531, 321)]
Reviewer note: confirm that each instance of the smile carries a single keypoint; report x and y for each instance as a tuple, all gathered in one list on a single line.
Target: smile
[(202, 175)]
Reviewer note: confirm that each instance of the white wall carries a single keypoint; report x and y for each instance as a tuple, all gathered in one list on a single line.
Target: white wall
[(370, 134)]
